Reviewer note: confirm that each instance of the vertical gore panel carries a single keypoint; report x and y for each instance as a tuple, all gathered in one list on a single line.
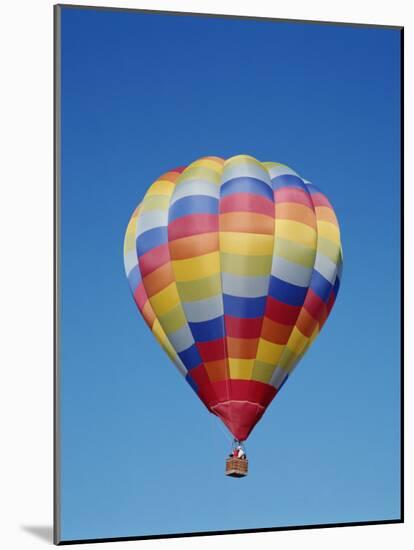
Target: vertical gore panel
[(194, 249)]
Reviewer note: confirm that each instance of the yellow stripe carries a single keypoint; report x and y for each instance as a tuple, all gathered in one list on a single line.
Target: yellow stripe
[(161, 187), (314, 335), (329, 249), (268, 352), (241, 368), (262, 372), (243, 159), (205, 173), (243, 265), (297, 341), (296, 232), (130, 235), (247, 244), (329, 231), (296, 252), (199, 289), (269, 165), (173, 320), (129, 243), (155, 202), (288, 360), (163, 340), (214, 165), (165, 300), (197, 268)]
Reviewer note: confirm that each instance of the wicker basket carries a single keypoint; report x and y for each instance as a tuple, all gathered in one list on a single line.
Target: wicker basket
[(236, 467)]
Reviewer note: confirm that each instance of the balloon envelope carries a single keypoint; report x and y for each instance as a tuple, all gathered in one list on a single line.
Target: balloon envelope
[(235, 266)]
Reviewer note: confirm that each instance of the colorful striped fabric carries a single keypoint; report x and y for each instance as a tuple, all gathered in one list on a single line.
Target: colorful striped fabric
[(235, 266)]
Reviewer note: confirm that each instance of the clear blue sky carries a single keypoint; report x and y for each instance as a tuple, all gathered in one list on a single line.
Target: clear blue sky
[(142, 94)]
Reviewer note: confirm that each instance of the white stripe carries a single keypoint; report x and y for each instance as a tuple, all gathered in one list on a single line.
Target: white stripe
[(278, 377), (240, 285), (326, 267), (204, 310), (130, 261), (180, 366), (248, 170), (291, 272), (151, 220), (195, 187), (181, 339), (281, 170)]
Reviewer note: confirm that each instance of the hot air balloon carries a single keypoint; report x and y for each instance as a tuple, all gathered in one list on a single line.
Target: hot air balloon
[(235, 266)]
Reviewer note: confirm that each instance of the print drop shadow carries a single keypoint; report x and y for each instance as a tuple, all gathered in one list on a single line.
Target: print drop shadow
[(44, 532)]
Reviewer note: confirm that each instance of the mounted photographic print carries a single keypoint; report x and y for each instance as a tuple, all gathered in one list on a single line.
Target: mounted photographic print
[(228, 223)]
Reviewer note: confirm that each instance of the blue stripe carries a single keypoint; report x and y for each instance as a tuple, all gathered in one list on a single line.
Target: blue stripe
[(336, 285), (246, 185), (283, 383), (191, 382), (208, 330), (313, 189), (288, 180), (151, 239), (190, 357), (320, 286), (195, 204), (244, 308), (134, 277), (287, 293)]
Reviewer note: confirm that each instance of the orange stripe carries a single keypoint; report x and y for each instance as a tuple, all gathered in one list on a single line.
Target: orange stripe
[(148, 314), (323, 316), (296, 212), (196, 245), (170, 176), (247, 222), (323, 213), (242, 348), (276, 333), (158, 279), (217, 370), (306, 323)]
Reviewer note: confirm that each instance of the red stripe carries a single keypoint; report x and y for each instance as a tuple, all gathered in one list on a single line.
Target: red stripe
[(205, 389), (173, 174), (153, 259), (213, 350), (199, 375), (207, 397), (315, 306), (140, 296), (193, 224), (293, 194), (243, 328), (331, 301), (244, 390), (179, 169), (319, 199), (223, 391), (247, 202), (280, 312)]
